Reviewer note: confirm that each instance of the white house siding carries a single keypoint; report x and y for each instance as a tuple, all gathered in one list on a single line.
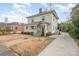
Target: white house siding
[(29, 29), (39, 18), (54, 23), (50, 18)]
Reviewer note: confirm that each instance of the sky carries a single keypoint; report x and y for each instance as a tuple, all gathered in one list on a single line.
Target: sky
[(17, 12)]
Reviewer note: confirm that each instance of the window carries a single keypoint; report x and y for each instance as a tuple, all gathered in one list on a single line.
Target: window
[(16, 28), (43, 18), (32, 20), (26, 27), (32, 27)]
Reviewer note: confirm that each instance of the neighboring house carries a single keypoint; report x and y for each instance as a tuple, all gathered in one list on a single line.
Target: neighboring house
[(16, 28), (44, 21), (2, 26), (13, 27)]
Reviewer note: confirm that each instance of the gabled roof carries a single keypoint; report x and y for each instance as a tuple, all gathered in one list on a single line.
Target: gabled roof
[(45, 12)]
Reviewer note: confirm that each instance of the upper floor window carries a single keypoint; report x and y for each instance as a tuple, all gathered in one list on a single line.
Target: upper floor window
[(43, 18), (32, 20)]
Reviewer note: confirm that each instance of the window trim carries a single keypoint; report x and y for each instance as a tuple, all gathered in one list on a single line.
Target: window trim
[(43, 18), (32, 27)]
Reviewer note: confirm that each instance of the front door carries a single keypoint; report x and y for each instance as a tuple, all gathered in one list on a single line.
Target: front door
[(39, 30), (42, 32)]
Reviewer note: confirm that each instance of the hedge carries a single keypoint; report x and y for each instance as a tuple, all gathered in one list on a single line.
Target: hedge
[(28, 33), (74, 33)]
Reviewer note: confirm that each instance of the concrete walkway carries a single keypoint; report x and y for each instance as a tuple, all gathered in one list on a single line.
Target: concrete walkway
[(5, 51), (63, 45)]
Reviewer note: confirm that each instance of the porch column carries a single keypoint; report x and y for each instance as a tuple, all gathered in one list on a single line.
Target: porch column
[(45, 29)]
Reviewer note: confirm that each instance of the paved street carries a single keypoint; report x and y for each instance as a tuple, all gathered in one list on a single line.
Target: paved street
[(62, 45)]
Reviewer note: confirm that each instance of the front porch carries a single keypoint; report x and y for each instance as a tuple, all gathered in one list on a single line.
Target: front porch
[(42, 28), (39, 28)]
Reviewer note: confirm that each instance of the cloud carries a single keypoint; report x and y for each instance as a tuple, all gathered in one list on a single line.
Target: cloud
[(44, 4), (26, 4), (63, 10), (72, 5), (22, 10), (18, 5), (19, 12)]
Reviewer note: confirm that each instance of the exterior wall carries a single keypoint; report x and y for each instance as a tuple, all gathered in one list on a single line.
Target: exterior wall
[(39, 18), (17, 28), (29, 29), (54, 24), (2, 28), (11, 27), (50, 18)]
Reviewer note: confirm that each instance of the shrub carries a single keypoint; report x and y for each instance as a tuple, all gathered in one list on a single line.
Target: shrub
[(65, 27), (28, 33), (74, 33), (2, 32)]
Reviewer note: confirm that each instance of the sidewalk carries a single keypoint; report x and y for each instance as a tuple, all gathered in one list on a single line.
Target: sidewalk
[(63, 45)]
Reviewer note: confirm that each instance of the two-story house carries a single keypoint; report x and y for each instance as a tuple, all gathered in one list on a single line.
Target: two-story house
[(44, 21)]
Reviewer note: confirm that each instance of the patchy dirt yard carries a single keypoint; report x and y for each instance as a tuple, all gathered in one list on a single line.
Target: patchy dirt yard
[(25, 44), (4, 38), (33, 46)]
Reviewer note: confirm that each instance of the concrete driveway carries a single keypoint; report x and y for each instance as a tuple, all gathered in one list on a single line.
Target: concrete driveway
[(63, 45)]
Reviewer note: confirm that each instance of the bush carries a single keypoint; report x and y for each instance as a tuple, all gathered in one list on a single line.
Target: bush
[(74, 33), (2, 32), (28, 33)]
